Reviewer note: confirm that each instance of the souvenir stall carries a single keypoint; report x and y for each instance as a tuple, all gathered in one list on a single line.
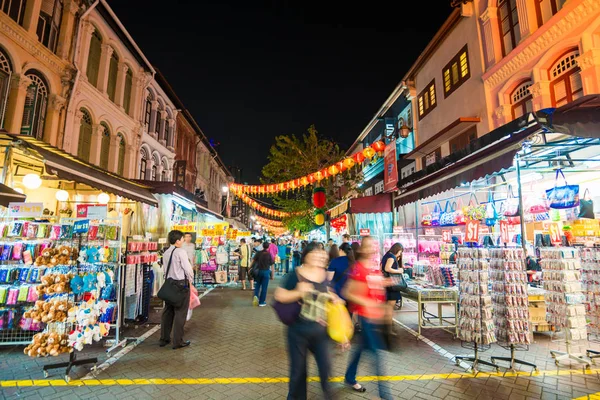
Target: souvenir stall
[(527, 187), (213, 254)]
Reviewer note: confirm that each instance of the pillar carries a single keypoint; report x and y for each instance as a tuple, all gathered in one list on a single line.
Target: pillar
[(491, 36), (589, 62), (55, 107), (72, 140), (113, 155), (16, 102), (67, 28), (105, 55), (527, 17), (87, 30), (153, 116), (120, 90), (132, 157), (32, 16), (96, 147), (540, 92), (171, 135), (163, 128)]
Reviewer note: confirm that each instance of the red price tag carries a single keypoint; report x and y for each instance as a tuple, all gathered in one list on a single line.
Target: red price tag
[(504, 232), (446, 236), (555, 234), (472, 231), (365, 232)]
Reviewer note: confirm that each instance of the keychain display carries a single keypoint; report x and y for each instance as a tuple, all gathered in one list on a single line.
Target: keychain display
[(590, 278)]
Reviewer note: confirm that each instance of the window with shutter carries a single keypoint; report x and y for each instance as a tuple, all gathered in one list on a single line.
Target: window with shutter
[(34, 110), (105, 147), (143, 163), (521, 100), (93, 64), (113, 70), (148, 114), (49, 23), (565, 78), (127, 91), (508, 17), (5, 72), (426, 100), (85, 136), (456, 72), (121, 162), (15, 9)]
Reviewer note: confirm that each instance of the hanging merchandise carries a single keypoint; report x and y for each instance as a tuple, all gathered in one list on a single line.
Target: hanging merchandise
[(459, 216), (447, 216), (586, 206), (561, 197), (474, 210), (590, 277), (426, 217), (512, 204), (491, 215)]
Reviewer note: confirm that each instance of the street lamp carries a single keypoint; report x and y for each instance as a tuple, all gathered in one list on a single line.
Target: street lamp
[(404, 131), (225, 189)]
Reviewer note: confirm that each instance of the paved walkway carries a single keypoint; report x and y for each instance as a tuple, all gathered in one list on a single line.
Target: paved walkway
[(238, 352)]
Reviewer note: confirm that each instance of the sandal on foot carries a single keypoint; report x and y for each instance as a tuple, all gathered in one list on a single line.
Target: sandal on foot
[(357, 387)]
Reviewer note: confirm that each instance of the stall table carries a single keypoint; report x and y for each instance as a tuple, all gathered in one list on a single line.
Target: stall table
[(423, 294)]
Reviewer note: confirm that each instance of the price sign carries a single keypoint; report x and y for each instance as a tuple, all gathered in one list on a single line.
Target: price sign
[(555, 234), (25, 209), (504, 237), (162, 240), (81, 226), (446, 236), (472, 231), (429, 232), (365, 232)]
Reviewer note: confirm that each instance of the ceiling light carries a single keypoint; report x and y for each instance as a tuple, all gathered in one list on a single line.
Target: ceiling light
[(32, 181), (103, 198), (62, 195)]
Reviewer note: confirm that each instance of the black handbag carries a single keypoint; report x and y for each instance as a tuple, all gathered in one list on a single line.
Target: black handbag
[(173, 292), (586, 206)]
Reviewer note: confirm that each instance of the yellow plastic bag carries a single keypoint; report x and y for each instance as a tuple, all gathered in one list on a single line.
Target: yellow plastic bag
[(339, 324)]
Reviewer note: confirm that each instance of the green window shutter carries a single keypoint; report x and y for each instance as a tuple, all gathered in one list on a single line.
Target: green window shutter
[(121, 166), (127, 92), (105, 149), (85, 138), (93, 64), (29, 110), (113, 70)]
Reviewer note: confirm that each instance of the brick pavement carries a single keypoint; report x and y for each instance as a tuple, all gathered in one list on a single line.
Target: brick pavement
[(232, 339)]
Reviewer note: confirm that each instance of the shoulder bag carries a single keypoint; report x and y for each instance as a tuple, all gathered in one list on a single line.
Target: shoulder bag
[(566, 196), (586, 206), (288, 313), (172, 292)]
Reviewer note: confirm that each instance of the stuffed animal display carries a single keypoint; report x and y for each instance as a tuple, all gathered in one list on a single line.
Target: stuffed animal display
[(48, 344), (86, 318), (49, 311), (61, 255), (54, 283)]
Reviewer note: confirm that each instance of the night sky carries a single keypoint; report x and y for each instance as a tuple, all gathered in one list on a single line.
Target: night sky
[(251, 70)]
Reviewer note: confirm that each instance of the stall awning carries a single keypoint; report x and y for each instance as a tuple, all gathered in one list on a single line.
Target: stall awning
[(380, 203), (579, 118), (8, 195), (339, 209), (68, 167)]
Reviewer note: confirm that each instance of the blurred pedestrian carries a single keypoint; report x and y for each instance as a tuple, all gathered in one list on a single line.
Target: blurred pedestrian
[(265, 269), (283, 256), (245, 252), (392, 266), (308, 285), (339, 268), (333, 252), (365, 291), (346, 238)]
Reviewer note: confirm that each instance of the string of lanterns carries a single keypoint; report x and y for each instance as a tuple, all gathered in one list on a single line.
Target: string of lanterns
[(310, 179), (259, 207), (269, 222)]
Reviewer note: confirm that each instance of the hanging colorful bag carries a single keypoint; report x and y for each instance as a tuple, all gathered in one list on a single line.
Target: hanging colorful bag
[(586, 206), (561, 197), (436, 214), (447, 217), (491, 216), (474, 210), (426, 217), (459, 215), (512, 204)]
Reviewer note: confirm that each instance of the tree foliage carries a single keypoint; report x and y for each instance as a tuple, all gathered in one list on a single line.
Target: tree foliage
[(292, 157)]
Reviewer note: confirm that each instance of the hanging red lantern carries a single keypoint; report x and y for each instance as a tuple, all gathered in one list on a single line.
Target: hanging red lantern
[(369, 152), (325, 173), (358, 157), (378, 146), (318, 176), (311, 179), (349, 162), (340, 166), (319, 197), (333, 170), (297, 182)]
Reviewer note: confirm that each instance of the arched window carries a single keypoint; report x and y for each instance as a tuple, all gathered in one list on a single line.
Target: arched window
[(127, 91), (15, 9), (93, 64), (85, 136), (565, 77), (121, 160), (143, 163), (148, 113), (509, 25), (105, 146), (158, 121), (154, 169), (34, 111), (5, 72), (545, 9), (521, 100), (49, 23), (164, 174), (113, 70)]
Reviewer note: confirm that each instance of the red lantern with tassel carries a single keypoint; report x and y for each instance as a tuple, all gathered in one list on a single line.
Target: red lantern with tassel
[(378, 146), (311, 178), (358, 157), (319, 197)]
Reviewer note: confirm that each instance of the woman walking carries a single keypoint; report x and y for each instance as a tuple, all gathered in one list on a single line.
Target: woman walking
[(261, 282), (365, 291), (392, 265), (308, 285)]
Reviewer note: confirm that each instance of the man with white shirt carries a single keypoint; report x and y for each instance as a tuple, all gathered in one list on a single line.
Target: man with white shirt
[(176, 265)]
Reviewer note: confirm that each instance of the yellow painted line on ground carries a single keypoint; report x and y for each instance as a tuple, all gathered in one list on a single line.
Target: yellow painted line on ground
[(251, 380), (593, 396)]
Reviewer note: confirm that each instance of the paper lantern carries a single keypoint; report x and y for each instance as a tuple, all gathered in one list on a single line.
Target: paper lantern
[(378, 146), (304, 181), (318, 176), (319, 197), (333, 170), (349, 163), (369, 152), (311, 178), (297, 182), (319, 217), (358, 157), (325, 173), (340, 166)]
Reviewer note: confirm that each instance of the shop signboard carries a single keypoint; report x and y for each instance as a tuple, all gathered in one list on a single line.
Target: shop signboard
[(398, 229), (25, 209), (504, 232), (555, 236), (390, 173), (365, 232), (81, 226), (446, 236), (185, 228), (91, 211), (208, 232), (472, 231)]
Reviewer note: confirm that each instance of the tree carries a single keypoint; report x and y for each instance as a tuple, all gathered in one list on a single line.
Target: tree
[(291, 158)]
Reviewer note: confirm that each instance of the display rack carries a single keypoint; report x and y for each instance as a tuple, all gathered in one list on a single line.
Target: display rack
[(510, 302), (565, 308), (428, 248), (476, 324), (408, 242), (590, 277)]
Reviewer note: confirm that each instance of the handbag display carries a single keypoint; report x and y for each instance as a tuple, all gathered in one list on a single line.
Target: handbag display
[(512, 204), (586, 206), (436, 214), (447, 217), (474, 210), (426, 217), (458, 214), (561, 197), (491, 215), (172, 292), (221, 276)]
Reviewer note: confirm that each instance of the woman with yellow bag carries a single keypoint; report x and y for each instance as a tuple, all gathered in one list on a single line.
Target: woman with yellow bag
[(304, 293)]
